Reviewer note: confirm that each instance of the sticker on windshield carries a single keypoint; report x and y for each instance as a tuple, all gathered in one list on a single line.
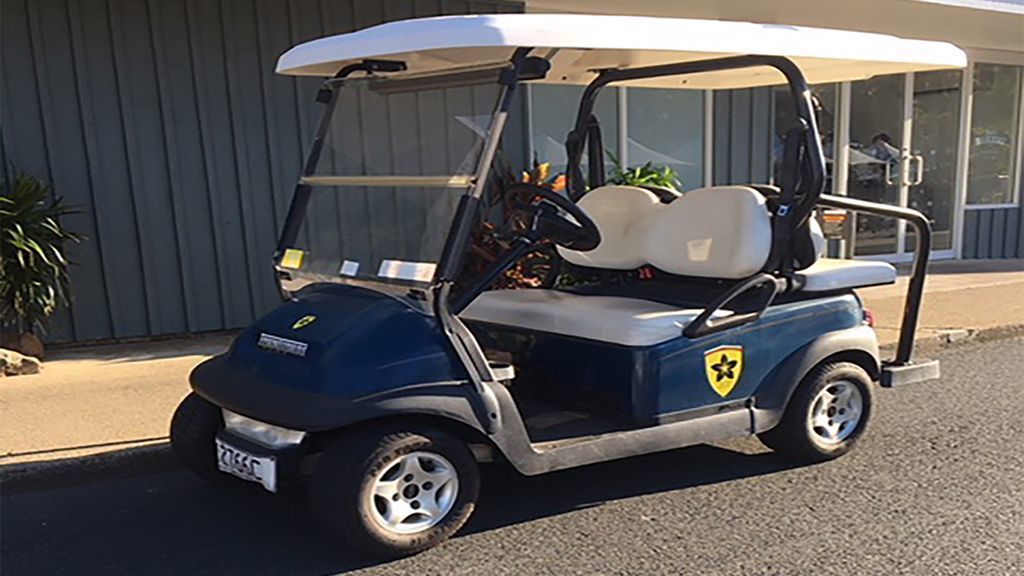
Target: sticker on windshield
[(292, 258), (349, 268), (402, 270)]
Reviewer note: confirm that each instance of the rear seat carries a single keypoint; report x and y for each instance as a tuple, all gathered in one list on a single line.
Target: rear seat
[(830, 274)]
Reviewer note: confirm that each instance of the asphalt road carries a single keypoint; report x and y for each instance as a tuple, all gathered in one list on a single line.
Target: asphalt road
[(936, 487)]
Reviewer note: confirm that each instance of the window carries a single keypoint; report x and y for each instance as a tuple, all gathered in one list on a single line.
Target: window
[(666, 128), (995, 120), (553, 115)]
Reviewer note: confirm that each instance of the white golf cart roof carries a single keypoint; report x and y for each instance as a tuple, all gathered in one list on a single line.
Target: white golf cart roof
[(578, 45)]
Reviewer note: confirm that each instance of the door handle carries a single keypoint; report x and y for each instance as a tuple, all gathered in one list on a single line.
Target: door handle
[(888, 172), (906, 160), (919, 173)]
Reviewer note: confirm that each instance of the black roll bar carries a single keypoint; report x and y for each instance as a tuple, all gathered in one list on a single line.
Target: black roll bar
[(814, 160), (915, 289)]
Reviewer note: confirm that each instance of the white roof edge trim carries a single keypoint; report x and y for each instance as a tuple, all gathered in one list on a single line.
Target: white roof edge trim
[(592, 41)]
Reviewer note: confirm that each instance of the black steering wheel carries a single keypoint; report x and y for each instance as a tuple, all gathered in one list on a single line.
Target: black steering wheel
[(547, 207)]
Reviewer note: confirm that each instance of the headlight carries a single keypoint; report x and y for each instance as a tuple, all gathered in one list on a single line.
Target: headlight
[(261, 432)]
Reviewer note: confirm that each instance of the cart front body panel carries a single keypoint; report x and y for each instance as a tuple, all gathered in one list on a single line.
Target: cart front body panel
[(317, 360)]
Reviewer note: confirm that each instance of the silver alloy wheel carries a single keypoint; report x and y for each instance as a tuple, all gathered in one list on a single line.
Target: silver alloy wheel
[(414, 492), (835, 413)]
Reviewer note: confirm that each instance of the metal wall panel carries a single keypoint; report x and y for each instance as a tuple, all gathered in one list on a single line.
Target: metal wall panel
[(742, 136), (993, 233), (163, 123)]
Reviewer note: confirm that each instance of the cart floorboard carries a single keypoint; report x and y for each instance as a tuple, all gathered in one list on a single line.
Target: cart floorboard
[(553, 425)]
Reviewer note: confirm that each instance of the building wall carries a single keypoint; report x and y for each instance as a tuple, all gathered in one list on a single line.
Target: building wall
[(993, 233), (162, 121), (742, 136)]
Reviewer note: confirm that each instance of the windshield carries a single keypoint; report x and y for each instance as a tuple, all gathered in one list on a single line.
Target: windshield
[(387, 184)]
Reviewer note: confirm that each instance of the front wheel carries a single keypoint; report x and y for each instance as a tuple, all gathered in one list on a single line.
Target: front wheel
[(392, 493), (827, 414), (194, 428)]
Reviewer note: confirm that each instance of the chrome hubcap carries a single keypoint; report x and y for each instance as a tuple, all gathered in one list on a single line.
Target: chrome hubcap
[(414, 492), (835, 413)]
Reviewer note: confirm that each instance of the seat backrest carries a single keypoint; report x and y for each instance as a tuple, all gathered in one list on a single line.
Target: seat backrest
[(619, 213), (718, 232)]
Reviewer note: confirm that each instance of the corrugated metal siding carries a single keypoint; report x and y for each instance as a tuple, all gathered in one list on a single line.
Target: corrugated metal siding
[(993, 233), (742, 136), (163, 122)]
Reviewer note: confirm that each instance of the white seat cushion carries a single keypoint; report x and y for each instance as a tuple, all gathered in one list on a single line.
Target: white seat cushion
[(829, 274), (625, 321), (618, 212), (718, 232)]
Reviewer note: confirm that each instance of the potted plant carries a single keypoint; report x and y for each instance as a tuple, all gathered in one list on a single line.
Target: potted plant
[(646, 174), (34, 279)]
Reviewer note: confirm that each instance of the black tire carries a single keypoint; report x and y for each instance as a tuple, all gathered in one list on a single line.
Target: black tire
[(795, 437), (193, 429), (339, 490)]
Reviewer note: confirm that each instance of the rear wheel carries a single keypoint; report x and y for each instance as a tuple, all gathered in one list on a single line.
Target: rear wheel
[(194, 429), (392, 493), (828, 413)]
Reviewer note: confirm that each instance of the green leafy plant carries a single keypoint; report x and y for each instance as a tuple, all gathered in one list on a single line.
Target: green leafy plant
[(34, 264), (646, 174)]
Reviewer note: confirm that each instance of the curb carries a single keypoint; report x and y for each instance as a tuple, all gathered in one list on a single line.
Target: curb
[(79, 470), (959, 337), (148, 458)]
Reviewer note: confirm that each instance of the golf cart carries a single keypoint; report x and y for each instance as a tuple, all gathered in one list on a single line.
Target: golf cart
[(394, 365)]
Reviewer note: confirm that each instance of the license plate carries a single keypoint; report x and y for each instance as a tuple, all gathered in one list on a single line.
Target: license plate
[(247, 466)]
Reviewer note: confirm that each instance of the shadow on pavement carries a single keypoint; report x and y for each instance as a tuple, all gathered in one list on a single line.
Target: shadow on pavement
[(172, 523), (508, 498)]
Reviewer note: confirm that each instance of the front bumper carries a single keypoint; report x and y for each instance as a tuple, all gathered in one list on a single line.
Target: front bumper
[(289, 459)]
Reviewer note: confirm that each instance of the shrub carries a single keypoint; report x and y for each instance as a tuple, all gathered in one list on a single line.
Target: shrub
[(646, 174), (34, 265)]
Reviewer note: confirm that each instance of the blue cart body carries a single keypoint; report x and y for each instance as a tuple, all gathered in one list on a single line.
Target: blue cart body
[(365, 344)]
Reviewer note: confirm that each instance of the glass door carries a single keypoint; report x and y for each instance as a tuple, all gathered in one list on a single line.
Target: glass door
[(903, 146), (876, 158), (934, 146)]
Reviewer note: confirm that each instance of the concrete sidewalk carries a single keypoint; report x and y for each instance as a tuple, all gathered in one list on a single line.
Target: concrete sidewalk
[(118, 399), (98, 399), (969, 296)]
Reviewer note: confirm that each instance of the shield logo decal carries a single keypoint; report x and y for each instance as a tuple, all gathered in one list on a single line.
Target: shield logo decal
[(724, 366), (304, 321)]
